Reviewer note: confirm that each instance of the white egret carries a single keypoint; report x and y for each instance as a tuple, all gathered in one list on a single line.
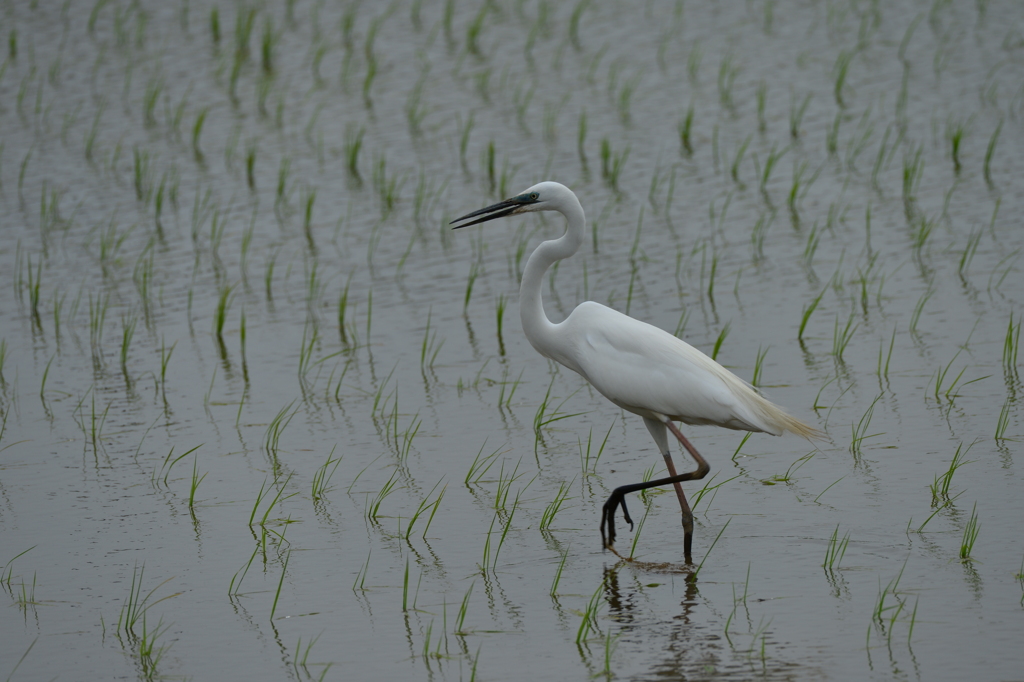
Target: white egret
[(639, 367)]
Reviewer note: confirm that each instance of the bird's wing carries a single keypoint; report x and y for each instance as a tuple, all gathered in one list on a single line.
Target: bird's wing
[(647, 370)]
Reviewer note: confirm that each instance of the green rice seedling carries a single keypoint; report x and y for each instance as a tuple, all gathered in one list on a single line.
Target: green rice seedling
[(283, 171), (553, 507), (805, 316), (499, 313), (135, 605), (574, 24), (360, 581), (1003, 422), (97, 316), (33, 290), (832, 135), (250, 163), (481, 463), (589, 468), (505, 484), (473, 30), (220, 317), (27, 596), (859, 429), (640, 527), (1011, 347), (612, 164), (405, 587), (693, 576), (405, 444), (727, 73), (280, 583), (196, 480), (128, 324), (343, 325), (307, 217), (955, 131), (430, 347), (373, 511), (371, 57), (918, 309), (161, 475), (949, 392), (880, 159), (558, 572), (322, 477), (734, 169), (165, 359), (942, 505), (197, 131), (369, 315), (793, 468), (990, 152), (755, 380), (757, 234), (796, 114), (711, 275), (154, 87), (6, 573), (940, 486), (474, 272), (215, 26), (589, 622), (460, 619), (970, 536), (841, 337), (505, 399), (22, 170), (543, 417), (913, 169), (267, 42), (769, 166), (712, 489), (836, 549), (720, 340), (840, 71), (969, 250), (883, 368), (424, 505), (507, 525), (922, 229), (272, 436), (278, 499), (827, 487)]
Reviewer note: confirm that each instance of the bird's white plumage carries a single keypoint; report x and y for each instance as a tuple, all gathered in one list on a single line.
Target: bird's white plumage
[(646, 370)]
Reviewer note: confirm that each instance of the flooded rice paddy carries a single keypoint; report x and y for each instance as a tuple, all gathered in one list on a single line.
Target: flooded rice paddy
[(265, 416)]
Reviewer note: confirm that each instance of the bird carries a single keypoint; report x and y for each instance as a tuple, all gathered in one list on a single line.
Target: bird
[(639, 367)]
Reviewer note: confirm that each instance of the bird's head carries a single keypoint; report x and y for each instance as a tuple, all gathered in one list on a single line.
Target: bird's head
[(544, 196)]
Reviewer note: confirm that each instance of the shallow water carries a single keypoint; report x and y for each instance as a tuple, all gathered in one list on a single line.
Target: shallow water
[(130, 220)]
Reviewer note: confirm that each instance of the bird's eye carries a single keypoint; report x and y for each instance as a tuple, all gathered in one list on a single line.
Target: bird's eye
[(534, 196)]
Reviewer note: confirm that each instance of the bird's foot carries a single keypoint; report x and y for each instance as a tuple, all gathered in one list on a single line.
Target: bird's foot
[(616, 500)]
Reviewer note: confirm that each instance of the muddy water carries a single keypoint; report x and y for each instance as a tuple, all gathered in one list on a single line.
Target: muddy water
[(193, 192)]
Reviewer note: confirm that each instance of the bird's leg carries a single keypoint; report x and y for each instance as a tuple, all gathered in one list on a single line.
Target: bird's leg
[(683, 506), (701, 471), (618, 495)]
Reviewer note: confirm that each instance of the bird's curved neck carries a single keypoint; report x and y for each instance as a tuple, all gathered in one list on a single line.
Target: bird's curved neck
[(538, 328)]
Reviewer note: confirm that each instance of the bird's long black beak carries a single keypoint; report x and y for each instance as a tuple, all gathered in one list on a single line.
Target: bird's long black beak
[(498, 210)]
